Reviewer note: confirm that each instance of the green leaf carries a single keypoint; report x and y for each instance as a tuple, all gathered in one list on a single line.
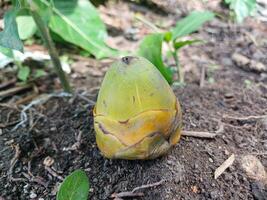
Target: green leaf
[(180, 44), (24, 73), (7, 52), (168, 36), (78, 22), (43, 9), (9, 37), (74, 187), (19, 3), (242, 8), (26, 26), (150, 48), (191, 23), (39, 73)]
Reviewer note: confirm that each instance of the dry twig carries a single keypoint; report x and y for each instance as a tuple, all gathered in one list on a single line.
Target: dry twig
[(8, 83), (13, 163), (227, 163), (43, 99), (133, 193), (247, 118), (53, 173), (202, 78), (199, 134), (12, 91), (76, 145)]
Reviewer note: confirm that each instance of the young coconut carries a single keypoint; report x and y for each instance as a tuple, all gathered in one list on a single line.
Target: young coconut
[(137, 115)]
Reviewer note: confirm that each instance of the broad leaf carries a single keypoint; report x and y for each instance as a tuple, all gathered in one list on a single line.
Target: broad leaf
[(78, 22), (74, 187), (9, 37), (26, 26), (242, 8), (180, 44), (150, 48), (24, 73), (191, 23)]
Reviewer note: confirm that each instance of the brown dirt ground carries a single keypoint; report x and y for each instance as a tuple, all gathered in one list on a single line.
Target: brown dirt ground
[(188, 169)]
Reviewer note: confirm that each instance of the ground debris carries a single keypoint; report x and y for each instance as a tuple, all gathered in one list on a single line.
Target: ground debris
[(199, 134), (227, 163), (247, 64), (254, 168), (133, 193)]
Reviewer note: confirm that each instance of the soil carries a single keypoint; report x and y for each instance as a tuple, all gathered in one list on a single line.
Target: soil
[(54, 126)]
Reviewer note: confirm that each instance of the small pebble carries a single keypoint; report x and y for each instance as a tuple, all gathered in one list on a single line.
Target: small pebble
[(33, 195)]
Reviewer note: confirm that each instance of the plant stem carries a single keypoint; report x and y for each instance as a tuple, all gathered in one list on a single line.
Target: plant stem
[(176, 59), (51, 49)]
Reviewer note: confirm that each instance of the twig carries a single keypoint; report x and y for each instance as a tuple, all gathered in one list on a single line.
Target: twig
[(53, 173), (127, 194), (43, 99), (8, 83), (26, 99), (8, 124), (202, 77), (12, 91), (89, 101), (148, 23), (148, 185), (227, 163), (220, 129), (199, 134), (247, 118), (32, 178), (76, 145), (13, 163), (133, 193)]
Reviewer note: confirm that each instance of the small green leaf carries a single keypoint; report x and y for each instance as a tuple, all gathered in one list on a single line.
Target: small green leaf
[(191, 23), (7, 52), (26, 26), (168, 36), (74, 187), (24, 73), (9, 37), (180, 44), (150, 48), (242, 8), (39, 73)]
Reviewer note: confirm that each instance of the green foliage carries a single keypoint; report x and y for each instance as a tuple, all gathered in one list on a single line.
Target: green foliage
[(39, 73), (24, 72), (151, 49), (74, 187), (78, 22), (151, 45), (179, 44), (6, 51), (9, 37), (241, 8), (191, 23), (26, 26)]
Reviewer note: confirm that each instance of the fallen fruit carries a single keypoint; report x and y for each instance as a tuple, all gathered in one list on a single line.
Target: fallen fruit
[(137, 115)]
